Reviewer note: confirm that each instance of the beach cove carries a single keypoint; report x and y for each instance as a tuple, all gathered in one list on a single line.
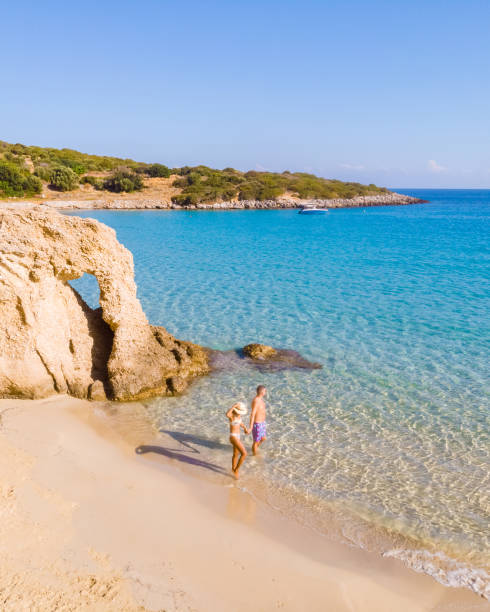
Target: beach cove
[(392, 435), (245, 307), (383, 451)]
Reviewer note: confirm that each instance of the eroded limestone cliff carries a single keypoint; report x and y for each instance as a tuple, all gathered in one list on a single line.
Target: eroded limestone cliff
[(51, 341)]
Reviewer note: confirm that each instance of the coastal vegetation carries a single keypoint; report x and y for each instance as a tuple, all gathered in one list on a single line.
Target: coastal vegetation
[(157, 170), (26, 170), (63, 178), (203, 184), (123, 179), (17, 181)]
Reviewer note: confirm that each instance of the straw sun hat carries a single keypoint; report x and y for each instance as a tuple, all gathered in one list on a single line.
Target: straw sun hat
[(240, 408)]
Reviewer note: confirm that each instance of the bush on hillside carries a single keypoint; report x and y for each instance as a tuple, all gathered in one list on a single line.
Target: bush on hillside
[(15, 159), (138, 168), (32, 185), (123, 180), (78, 169), (186, 199), (158, 170), (63, 178), (43, 172), (96, 182), (17, 181)]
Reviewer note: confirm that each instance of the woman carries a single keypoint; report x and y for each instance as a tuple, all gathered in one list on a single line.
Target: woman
[(234, 415)]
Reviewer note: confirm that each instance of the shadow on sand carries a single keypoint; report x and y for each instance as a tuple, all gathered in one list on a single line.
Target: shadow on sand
[(184, 455), (188, 440)]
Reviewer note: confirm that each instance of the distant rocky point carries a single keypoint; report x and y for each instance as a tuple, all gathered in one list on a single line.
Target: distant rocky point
[(69, 179), (139, 203)]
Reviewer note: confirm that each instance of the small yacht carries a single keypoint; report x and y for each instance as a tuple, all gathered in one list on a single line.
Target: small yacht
[(312, 210)]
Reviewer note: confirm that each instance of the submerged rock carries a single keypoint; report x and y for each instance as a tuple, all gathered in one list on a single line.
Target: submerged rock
[(259, 351), (277, 359), (261, 357), (52, 341)]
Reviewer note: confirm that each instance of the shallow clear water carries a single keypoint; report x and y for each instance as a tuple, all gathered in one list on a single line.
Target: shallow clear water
[(389, 443)]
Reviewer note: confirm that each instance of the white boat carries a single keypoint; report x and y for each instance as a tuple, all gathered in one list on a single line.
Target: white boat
[(312, 210)]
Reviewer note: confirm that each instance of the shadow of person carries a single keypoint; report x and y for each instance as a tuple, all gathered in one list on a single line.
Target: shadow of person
[(188, 440), (179, 456)]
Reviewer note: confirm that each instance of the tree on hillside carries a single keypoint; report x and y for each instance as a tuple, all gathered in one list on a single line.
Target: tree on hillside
[(17, 181), (63, 178), (158, 170)]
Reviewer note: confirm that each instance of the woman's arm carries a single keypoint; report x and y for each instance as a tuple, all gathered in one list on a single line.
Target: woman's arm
[(230, 412)]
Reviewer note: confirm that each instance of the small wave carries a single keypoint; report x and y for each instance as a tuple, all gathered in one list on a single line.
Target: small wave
[(445, 570)]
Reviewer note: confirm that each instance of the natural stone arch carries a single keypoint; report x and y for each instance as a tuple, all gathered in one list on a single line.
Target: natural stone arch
[(49, 335)]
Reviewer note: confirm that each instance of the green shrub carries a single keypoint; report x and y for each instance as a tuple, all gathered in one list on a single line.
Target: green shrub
[(180, 183), (138, 168), (43, 172), (17, 181), (158, 170), (15, 159), (19, 149), (78, 169), (249, 190), (32, 185), (63, 178), (123, 180), (186, 199), (96, 182)]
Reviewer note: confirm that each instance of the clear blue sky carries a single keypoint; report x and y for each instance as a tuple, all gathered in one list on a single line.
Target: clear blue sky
[(391, 92)]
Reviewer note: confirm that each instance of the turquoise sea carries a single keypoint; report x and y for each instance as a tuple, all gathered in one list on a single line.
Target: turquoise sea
[(388, 446)]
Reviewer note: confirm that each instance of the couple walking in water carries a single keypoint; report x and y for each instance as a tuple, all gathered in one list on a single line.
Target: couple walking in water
[(257, 426)]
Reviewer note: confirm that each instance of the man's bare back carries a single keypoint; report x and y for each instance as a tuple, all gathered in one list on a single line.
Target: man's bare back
[(258, 423)]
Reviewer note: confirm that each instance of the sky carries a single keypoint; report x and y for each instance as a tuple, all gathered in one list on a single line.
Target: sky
[(395, 92)]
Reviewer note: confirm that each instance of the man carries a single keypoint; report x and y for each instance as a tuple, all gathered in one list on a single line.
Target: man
[(258, 426)]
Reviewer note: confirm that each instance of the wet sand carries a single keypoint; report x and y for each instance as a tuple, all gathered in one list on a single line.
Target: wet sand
[(90, 523)]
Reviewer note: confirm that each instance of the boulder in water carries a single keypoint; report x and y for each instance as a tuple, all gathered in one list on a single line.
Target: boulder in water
[(259, 351), (268, 357)]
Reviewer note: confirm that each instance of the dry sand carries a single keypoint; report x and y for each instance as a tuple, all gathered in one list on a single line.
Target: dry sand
[(88, 524)]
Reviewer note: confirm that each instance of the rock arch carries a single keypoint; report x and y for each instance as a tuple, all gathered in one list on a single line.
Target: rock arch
[(52, 341)]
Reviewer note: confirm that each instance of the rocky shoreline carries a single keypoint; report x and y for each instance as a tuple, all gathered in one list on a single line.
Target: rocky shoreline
[(388, 199), (51, 341)]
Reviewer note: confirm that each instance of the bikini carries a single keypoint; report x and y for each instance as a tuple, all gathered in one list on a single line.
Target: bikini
[(236, 422)]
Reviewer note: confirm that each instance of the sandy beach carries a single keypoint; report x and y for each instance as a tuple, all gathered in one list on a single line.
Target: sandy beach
[(90, 524)]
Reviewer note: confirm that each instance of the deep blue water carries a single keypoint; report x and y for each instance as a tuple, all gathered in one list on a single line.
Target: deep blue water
[(393, 301)]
